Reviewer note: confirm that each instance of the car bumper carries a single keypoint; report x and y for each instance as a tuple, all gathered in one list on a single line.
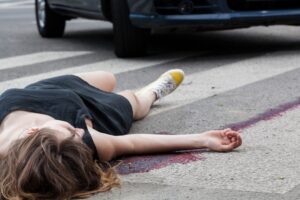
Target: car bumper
[(235, 19), (152, 13)]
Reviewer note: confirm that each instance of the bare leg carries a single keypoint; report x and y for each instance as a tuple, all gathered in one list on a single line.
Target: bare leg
[(105, 81), (140, 101)]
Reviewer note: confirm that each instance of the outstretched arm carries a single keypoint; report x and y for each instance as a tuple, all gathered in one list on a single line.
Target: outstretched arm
[(109, 147)]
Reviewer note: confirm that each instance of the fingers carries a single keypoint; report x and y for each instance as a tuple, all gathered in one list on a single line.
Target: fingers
[(225, 140), (228, 147), (235, 139), (227, 130), (224, 131)]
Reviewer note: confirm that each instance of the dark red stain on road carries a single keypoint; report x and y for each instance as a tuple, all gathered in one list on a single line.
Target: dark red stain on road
[(141, 164), (268, 115)]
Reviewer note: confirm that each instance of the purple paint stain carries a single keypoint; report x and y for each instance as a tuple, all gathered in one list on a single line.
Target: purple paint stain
[(268, 115), (141, 164)]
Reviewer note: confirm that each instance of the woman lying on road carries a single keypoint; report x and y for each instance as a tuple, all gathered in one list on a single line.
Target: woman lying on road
[(53, 132)]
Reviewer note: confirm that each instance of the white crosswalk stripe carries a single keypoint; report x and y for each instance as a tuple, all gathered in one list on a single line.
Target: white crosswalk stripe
[(19, 61), (16, 4), (113, 65), (228, 77), (221, 79), (198, 85)]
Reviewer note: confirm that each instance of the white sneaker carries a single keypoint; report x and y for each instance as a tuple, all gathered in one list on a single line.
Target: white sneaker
[(166, 83)]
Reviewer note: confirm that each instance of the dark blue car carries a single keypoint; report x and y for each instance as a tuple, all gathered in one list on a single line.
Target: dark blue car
[(133, 19)]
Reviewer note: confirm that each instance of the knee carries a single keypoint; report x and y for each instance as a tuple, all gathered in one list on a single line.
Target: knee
[(137, 105), (111, 80), (130, 95)]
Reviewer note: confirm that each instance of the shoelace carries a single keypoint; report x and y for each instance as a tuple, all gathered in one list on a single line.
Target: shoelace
[(165, 87)]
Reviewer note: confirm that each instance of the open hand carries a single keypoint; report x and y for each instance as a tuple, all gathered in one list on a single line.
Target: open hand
[(222, 140)]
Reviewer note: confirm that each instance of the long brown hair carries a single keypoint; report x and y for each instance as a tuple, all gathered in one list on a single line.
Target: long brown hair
[(41, 166)]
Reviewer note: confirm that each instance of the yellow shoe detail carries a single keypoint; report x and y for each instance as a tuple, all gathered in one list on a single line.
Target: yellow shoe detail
[(178, 76), (166, 83)]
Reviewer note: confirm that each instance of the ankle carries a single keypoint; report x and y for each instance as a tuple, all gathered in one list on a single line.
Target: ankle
[(147, 94)]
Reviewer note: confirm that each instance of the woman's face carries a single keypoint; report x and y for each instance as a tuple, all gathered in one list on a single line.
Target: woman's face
[(64, 129)]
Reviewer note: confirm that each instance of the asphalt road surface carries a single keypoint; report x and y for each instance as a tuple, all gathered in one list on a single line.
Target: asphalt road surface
[(247, 79)]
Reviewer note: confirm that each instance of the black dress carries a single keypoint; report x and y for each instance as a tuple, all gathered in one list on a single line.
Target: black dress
[(71, 99)]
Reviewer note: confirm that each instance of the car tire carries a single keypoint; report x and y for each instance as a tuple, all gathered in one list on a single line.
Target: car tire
[(49, 23), (129, 41)]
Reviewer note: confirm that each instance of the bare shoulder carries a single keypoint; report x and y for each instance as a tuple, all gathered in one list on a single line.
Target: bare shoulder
[(20, 114), (11, 119), (17, 121)]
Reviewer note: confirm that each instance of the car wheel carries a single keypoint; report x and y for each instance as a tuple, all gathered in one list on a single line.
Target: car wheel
[(129, 41), (49, 23)]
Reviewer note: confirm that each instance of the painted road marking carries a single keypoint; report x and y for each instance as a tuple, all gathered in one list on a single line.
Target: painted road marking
[(228, 77), (35, 58), (10, 1), (16, 4), (197, 86), (76, 22), (17, 7), (115, 66)]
